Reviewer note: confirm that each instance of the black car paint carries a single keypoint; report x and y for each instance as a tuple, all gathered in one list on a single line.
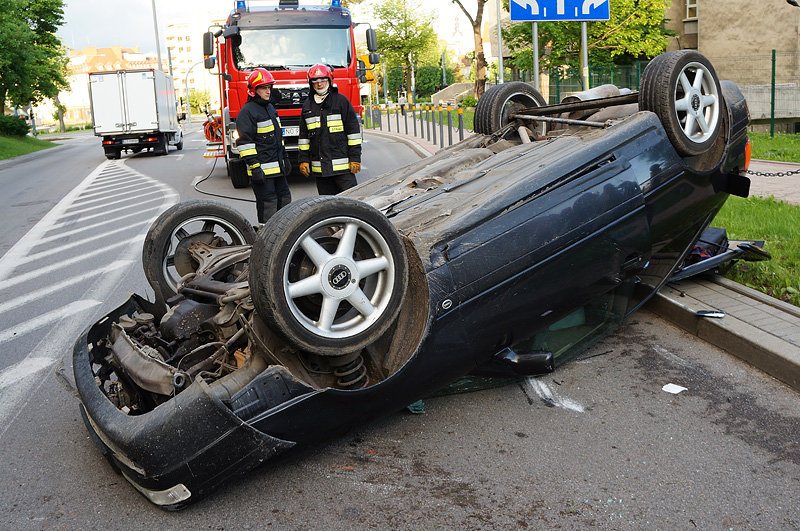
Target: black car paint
[(607, 210)]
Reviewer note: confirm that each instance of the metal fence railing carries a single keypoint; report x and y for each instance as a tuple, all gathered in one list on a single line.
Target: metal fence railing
[(558, 83), (440, 124), (770, 82)]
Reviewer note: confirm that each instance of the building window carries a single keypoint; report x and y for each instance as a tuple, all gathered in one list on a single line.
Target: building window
[(691, 9)]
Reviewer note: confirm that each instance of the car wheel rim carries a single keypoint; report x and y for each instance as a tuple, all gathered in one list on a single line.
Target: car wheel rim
[(516, 103), (697, 104), (355, 282), (210, 230)]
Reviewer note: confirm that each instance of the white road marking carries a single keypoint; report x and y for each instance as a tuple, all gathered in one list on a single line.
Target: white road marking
[(127, 201), (63, 324), (83, 228), (45, 319), (107, 192), (25, 277), (549, 396), (48, 290), (115, 210), (179, 157), (23, 369), (72, 245)]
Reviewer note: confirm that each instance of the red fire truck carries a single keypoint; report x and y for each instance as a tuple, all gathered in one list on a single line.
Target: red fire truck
[(287, 39)]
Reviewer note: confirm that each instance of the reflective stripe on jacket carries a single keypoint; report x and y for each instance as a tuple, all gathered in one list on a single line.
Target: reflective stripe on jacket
[(330, 135), (260, 139)]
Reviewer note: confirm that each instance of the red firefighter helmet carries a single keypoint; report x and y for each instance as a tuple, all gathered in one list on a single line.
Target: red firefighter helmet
[(258, 77), (319, 70)]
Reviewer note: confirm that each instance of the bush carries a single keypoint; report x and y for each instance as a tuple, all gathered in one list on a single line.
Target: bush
[(469, 101), (13, 126)]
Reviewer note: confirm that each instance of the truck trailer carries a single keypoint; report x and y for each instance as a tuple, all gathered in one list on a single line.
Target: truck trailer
[(133, 110)]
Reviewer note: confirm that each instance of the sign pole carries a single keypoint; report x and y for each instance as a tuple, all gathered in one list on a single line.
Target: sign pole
[(535, 34), (499, 43), (584, 57)]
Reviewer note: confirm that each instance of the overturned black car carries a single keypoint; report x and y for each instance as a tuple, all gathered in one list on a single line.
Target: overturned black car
[(502, 255)]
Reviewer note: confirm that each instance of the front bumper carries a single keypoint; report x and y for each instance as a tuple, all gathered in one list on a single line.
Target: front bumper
[(179, 451)]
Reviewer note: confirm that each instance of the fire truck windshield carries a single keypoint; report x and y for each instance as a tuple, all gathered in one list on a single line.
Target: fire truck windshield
[(287, 48)]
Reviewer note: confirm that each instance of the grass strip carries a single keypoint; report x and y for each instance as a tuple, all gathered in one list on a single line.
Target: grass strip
[(775, 222), (14, 146)]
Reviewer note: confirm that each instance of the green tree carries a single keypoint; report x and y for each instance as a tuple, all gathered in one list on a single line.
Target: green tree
[(33, 63), (634, 31), (406, 35), (198, 99)]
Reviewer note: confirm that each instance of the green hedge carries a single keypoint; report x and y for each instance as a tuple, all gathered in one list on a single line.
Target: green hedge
[(13, 126)]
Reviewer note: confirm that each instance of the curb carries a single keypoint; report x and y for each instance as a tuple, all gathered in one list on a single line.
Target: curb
[(420, 149), (780, 359)]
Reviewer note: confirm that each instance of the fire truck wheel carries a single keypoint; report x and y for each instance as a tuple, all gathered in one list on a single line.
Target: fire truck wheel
[(237, 170), (329, 274)]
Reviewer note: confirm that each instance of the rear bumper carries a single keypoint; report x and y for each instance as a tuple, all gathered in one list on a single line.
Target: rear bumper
[(179, 451)]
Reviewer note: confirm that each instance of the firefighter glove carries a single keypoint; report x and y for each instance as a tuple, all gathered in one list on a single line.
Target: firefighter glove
[(257, 175), (305, 169), (355, 167)]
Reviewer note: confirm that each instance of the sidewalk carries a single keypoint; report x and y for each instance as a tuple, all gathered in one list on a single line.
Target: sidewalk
[(756, 328)]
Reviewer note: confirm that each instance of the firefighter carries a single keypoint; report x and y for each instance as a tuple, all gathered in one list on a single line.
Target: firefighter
[(260, 144), (330, 135)]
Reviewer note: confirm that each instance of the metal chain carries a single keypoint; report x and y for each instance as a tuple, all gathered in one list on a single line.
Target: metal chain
[(776, 174)]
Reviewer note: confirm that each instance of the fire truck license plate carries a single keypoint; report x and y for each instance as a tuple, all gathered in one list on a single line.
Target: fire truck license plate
[(291, 131)]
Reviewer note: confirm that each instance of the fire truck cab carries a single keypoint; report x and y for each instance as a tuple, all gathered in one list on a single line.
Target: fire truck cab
[(287, 39)]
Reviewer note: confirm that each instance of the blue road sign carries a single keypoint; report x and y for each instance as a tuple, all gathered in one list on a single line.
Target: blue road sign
[(550, 10)]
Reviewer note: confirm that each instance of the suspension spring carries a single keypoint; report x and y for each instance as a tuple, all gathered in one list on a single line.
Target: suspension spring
[(352, 375)]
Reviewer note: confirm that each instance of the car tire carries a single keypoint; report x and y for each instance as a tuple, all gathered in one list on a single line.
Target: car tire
[(237, 170), (165, 255), (329, 274), (683, 90), (499, 102)]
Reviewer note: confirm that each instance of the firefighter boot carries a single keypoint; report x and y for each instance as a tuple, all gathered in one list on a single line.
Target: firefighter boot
[(268, 210), (284, 200)]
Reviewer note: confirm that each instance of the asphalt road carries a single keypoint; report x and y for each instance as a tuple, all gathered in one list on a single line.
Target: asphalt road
[(597, 443)]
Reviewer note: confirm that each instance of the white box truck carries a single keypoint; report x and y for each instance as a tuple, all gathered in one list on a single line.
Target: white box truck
[(134, 110)]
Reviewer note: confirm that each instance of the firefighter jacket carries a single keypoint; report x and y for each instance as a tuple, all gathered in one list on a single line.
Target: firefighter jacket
[(260, 139), (330, 135)]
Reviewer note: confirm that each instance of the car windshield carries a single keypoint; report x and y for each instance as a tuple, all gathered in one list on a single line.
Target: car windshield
[(277, 48)]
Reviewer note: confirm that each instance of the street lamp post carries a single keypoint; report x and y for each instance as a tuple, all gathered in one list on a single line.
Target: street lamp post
[(186, 88), (155, 28)]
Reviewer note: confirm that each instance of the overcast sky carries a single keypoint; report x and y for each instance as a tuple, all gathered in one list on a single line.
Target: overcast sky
[(129, 23)]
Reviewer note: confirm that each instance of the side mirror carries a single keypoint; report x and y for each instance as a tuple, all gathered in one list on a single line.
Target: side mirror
[(230, 31), (374, 58), (210, 62), (361, 71), (372, 40), (208, 44)]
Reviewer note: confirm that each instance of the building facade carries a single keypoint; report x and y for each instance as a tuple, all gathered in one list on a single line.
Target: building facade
[(739, 37)]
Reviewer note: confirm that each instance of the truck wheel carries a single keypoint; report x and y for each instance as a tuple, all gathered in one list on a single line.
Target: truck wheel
[(163, 145), (237, 170), (111, 155), (499, 102), (683, 90), (165, 254), (329, 274), (179, 145)]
